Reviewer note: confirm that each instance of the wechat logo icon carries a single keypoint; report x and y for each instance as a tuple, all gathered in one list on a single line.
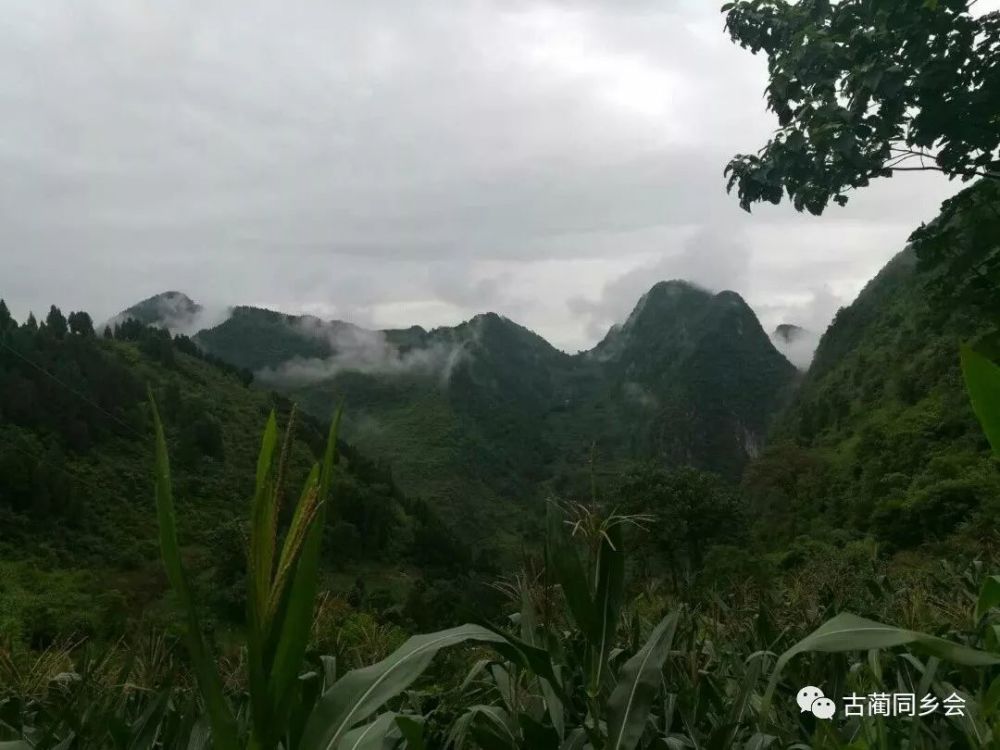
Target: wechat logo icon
[(811, 699)]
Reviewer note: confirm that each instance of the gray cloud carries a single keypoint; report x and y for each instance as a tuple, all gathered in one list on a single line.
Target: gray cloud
[(711, 257), (392, 162)]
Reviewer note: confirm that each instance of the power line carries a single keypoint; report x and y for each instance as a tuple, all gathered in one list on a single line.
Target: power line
[(72, 390)]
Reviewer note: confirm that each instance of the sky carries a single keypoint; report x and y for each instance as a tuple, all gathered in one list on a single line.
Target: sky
[(393, 163)]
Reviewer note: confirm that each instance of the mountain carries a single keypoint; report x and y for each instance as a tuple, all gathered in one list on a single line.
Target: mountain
[(174, 311), (880, 438), (689, 378), (79, 546), (486, 415)]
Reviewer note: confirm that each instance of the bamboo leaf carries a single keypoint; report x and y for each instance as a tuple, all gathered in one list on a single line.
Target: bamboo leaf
[(209, 684), (982, 380), (638, 683), (361, 692)]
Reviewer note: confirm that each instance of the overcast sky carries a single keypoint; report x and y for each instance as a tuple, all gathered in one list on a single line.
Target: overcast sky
[(392, 162)]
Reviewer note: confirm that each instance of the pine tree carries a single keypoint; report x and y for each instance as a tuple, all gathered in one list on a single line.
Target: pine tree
[(81, 324), (108, 333), (31, 324), (7, 323), (55, 322)]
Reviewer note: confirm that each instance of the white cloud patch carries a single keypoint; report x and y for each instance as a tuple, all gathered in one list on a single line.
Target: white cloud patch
[(711, 257), (180, 315), (359, 350)]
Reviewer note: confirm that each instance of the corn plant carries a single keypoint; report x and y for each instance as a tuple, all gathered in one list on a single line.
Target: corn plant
[(288, 706), (572, 687), (581, 677)]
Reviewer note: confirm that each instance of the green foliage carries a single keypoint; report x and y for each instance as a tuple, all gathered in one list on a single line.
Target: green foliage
[(80, 324), (881, 439), (73, 458), (691, 512), (865, 89), (510, 413), (982, 378), (223, 722), (55, 322), (709, 676)]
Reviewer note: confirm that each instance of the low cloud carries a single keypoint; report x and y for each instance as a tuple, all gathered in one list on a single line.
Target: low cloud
[(714, 258), (355, 349), (178, 314), (639, 395), (812, 315), (798, 349)]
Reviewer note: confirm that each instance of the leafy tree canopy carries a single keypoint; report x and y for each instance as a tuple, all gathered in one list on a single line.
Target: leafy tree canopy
[(866, 88), (55, 321)]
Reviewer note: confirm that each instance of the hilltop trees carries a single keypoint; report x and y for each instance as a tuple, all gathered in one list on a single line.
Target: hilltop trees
[(865, 89), (55, 322), (80, 324), (7, 322)]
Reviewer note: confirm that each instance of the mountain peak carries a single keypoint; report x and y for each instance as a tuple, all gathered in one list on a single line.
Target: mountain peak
[(172, 310)]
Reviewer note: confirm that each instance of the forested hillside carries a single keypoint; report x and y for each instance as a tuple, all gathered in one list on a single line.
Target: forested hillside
[(79, 550), (881, 438), (485, 415)]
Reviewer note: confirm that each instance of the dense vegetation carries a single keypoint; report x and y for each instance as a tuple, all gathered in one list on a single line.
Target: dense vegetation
[(654, 603), (78, 549), (488, 416)]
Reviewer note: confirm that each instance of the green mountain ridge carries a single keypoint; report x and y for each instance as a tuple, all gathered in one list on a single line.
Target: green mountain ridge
[(79, 551), (880, 438), (487, 415)]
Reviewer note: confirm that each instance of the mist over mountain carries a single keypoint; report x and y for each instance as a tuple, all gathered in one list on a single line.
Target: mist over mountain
[(488, 411), (796, 343)]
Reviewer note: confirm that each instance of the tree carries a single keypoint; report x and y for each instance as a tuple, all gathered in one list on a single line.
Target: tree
[(7, 322), (80, 324), (31, 324), (694, 511), (55, 322), (867, 88)]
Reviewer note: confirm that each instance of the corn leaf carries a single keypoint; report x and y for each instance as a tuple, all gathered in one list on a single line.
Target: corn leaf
[(361, 692), (564, 563), (371, 736), (297, 616), (847, 632), (638, 684), (411, 727), (982, 380), (263, 526), (607, 602), (209, 684), (989, 596), (146, 728)]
